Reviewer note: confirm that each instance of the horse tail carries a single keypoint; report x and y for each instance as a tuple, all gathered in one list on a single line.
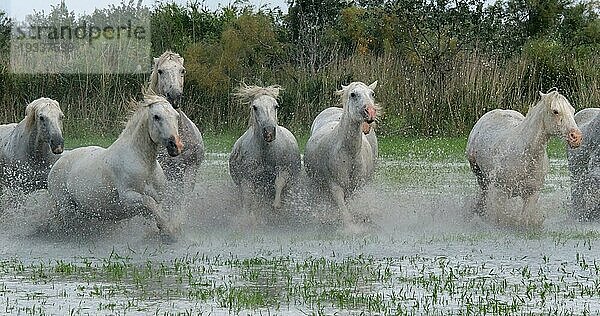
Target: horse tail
[(481, 178), (479, 207)]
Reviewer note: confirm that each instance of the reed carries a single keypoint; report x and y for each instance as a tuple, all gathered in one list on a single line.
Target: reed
[(417, 99)]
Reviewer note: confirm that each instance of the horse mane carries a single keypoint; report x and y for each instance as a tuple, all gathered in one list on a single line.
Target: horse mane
[(137, 110), (343, 94), (245, 94), (35, 106), (548, 97), (168, 55)]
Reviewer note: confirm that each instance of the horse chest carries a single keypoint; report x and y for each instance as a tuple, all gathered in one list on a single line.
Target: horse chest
[(522, 176), (348, 171)]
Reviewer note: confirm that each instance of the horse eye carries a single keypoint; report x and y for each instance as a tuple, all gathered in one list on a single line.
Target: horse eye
[(160, 71), (372, 94), (353, 95), (255, 107), (156, 118), (182, 71), (555, 112), (41, 118)]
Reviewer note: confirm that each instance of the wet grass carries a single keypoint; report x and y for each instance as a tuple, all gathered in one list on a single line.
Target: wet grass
[(414, 284)]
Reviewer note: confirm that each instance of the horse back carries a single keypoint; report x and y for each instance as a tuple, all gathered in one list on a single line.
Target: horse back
[(584, 117), (329, 115), (492, 127), (191, 137)]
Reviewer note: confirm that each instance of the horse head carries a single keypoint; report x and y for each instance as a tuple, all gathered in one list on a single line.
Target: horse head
[(263, 108), (167, 77), (163, 124), (45, 114), (358, 100), (560, 119)]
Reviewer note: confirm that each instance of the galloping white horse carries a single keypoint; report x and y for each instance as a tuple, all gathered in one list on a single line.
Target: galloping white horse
[(339, 156), (28, 149), (123, 180), (266, 157), (507, 154), (167, 80)]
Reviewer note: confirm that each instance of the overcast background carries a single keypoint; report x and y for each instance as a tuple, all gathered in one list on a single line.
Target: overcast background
[(18, 9)]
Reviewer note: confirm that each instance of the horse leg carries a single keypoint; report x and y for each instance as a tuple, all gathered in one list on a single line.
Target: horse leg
[(531, 217), (337, 192), (496, 201), (338, 195), (480, 204), (578, 199), (147, 205), (280, 182), (247, 201)]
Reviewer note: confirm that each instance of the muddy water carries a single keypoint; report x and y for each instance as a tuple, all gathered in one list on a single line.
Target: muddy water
[(419, 230)]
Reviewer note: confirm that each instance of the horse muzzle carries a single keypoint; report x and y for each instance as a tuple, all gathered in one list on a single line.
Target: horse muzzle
[(174, 146), (269, 133), (370, 114), (574, 138), (57, 146), (175, 99)]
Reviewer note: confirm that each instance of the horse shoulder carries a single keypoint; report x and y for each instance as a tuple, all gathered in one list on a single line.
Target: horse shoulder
[(190, 131), (288, 152), (240, 155)]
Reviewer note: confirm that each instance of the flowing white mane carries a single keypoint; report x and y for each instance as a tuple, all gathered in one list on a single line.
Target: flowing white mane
[(245, 94), (139, 110)]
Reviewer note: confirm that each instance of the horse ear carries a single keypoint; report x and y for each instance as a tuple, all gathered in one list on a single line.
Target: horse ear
[(155, 60), (373, 85)]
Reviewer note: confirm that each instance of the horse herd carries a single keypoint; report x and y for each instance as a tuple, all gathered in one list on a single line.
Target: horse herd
[(154, 161)]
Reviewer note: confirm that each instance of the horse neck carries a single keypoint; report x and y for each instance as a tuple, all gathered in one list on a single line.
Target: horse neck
[(35, 145), (534, 132), (258, 136), (139, 140), (349, 133)]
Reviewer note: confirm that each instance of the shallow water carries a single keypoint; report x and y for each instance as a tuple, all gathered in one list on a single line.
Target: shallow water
[(423, 254)]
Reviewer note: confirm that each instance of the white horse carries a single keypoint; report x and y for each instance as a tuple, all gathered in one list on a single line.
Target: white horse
[(507, 154), (167, 80), (339, 156), (28, 149), (266, 157), (584, 167), (123, 180)]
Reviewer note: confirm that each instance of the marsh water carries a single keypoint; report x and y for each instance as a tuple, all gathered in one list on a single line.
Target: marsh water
[(422, 253)]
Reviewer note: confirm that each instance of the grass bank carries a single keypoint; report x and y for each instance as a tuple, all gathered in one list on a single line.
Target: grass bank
[(392, 147)]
